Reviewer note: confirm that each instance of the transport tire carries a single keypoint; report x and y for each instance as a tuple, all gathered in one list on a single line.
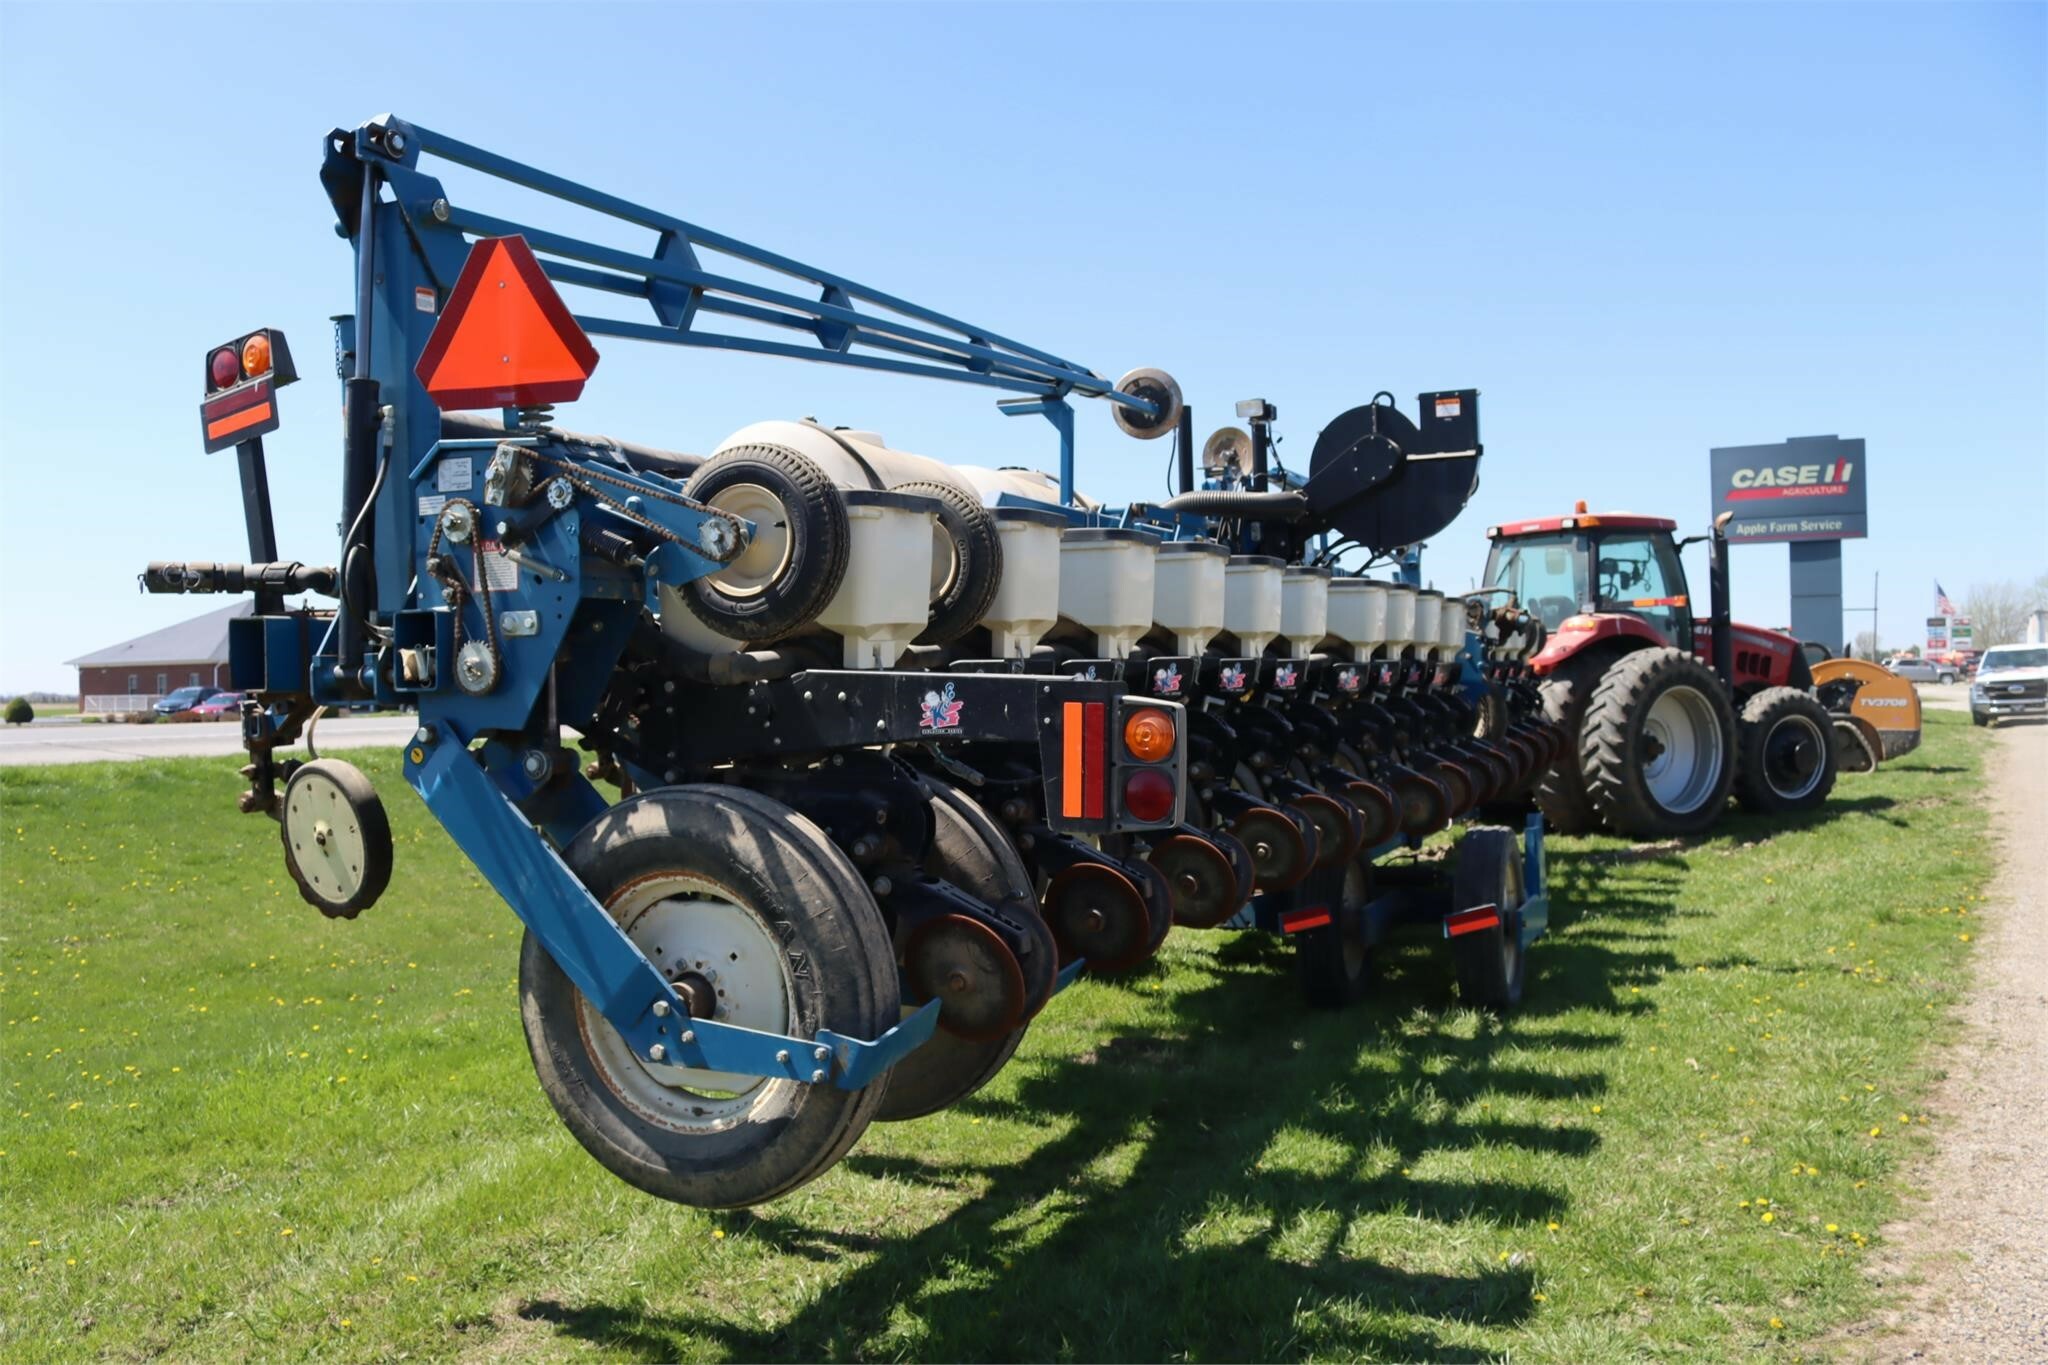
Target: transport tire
[(1979, 718), (790, 942), (971, 851), (1657, 746), (1785, 759), (1561, 789), (797, 559), (1333, 962), (1487, 870), (967, 562)]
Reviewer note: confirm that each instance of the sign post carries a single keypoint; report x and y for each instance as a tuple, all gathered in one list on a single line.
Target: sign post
[(1807, 493)]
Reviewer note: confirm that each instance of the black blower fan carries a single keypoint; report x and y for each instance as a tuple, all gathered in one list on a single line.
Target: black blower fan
[(1384, 481)]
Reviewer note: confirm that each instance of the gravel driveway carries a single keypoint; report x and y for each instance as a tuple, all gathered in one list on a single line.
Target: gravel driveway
[(1973, 1263)]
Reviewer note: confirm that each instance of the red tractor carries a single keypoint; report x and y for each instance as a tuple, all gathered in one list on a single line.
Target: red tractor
[(1663, 713)]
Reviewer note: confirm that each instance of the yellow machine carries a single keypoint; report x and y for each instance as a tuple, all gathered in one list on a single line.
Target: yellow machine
[(1876, 712)]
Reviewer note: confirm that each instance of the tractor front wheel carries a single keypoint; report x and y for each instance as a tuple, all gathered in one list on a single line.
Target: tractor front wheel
[(761, 922), (1786, 762), (1657, 746)]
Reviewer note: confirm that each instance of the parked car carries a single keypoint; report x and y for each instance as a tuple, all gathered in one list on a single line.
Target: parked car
[(1923, 670), (2012, 680), (219, 705), (184, 699)]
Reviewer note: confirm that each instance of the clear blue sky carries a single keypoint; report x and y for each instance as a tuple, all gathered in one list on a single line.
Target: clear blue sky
[(1641, 231)]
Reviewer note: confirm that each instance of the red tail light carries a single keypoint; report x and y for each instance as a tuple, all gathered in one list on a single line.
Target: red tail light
[(1149, 794)]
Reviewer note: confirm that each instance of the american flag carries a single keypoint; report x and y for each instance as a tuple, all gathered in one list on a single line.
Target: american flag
[(1942, 606)]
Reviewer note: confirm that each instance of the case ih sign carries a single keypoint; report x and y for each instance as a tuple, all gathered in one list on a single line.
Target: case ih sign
[(1807, 488)]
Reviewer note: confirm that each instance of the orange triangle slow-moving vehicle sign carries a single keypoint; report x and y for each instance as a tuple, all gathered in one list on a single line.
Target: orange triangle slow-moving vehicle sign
[(506, 339)]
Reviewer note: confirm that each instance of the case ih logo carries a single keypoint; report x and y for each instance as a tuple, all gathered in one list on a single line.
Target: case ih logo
[(1166, 681), (1792, 481), (1233, 677), (941, 712)]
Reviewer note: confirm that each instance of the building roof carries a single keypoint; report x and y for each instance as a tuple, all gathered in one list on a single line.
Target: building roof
[(203, 639)]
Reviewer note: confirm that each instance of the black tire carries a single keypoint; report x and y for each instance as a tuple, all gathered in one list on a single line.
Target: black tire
[(1979, 718), (959, 603), (1489, 963), (1561, 789), (780, 583), (1620, 753), (1945, 679), (1333, 962), (1785, 761), (774, 875), (971, 851)]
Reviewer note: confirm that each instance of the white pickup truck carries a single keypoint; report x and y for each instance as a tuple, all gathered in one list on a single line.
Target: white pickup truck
[(2012, 680)]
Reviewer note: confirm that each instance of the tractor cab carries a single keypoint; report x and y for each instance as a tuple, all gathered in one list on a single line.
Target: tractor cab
[(1580, 565)]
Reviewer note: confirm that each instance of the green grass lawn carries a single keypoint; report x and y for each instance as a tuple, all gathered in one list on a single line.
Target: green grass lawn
[(234, 1129)]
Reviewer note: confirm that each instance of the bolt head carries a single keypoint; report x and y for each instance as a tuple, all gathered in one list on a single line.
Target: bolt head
[(657, 1053), (661, 1010), (689, 1036), (782, 1056), (817, 1078), (821, 1053)]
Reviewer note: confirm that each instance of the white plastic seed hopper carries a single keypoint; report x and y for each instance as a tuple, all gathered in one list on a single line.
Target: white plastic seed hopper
[(1187, 592), (1251, 602), (1106, 585)]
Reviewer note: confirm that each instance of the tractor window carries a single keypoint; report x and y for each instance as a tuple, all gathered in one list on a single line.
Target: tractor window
[(1640, 575), (1545, 573)]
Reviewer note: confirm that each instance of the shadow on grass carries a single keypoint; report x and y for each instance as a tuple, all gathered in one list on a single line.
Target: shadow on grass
[(1200, 1192)]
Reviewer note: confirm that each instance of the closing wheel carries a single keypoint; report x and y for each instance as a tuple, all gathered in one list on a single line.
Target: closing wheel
[(1240, 861), (793, 566), (1786, 759), (1281, 855), (761, 922), (1156, 387), (965, 965), (1098, 913), (1656, 747), (1488, 871), (1200, 879), (337, 839), (1380, 808), (1333, 962), (971, 851), (967, 561), (1459, 791)]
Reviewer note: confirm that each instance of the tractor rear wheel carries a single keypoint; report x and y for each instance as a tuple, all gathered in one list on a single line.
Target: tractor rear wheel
[(1657, 745), (753, 911), (1488, 871), (971, 851), (1561, 789), (1786, 759)]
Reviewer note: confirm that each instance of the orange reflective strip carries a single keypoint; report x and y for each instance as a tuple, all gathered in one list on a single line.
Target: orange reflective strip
[(247, 417), (1070, 769)]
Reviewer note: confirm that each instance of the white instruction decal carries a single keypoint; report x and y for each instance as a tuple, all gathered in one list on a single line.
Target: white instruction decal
[(457, 474), (495, 569), (431, 505), (423, 299), (1449, 407)]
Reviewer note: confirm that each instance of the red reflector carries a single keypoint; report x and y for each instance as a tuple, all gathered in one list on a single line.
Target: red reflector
[(240, 421), (248, 396), (1474, 921), (1295, 921), (1094, 761), (506, 338), (1148, 795)]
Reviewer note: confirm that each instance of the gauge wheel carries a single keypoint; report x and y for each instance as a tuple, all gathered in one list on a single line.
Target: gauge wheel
[(337, 839), (970, 850), (761, 922)]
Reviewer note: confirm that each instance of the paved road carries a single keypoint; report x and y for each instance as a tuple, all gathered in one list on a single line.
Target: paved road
[(1979, 1246), (55, 743)]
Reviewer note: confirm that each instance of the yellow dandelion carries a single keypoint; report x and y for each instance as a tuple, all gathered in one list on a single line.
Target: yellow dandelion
[(1540, 1298), (1777, 1324), (1833, 1228), (1770, 1218), (285, 1232), (1555, 1225), (1877, 1132), (718, 1234)]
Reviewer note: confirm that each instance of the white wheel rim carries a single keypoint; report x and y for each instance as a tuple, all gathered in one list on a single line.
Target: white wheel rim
[(326, 837), (1685, 737), (689, 924), (766, 557), (945, 561)]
